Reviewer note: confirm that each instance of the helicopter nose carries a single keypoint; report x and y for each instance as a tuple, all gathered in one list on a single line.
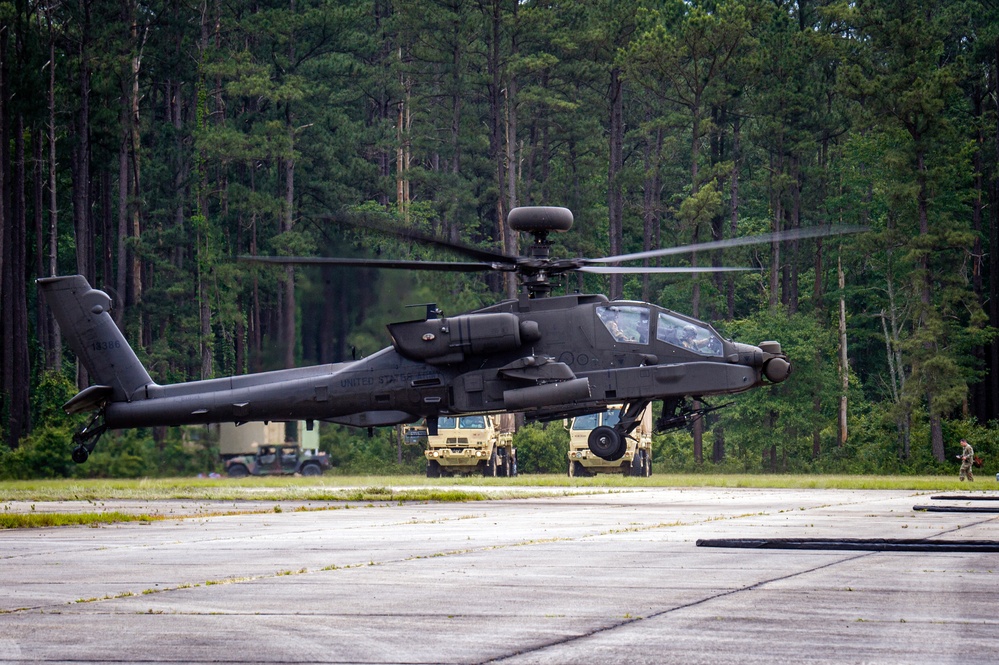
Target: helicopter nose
[(775, 364), (777, 369)]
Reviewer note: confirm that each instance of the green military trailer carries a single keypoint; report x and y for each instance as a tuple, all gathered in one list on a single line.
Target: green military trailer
[(472, 444), (637, 458), (271, 449)]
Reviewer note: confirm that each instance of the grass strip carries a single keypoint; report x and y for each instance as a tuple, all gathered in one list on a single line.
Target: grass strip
[(417, 488), (34, 520)]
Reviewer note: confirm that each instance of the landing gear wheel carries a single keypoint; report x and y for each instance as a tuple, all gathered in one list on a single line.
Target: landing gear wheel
[(86, 437), (606, 443)]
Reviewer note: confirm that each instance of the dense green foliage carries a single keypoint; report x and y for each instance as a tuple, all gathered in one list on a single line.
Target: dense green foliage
[(144, 145)]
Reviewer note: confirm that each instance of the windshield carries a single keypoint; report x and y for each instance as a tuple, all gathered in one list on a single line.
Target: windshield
[(591, 421), (687, 335), (626, 323), (446, 422), (472, 422)]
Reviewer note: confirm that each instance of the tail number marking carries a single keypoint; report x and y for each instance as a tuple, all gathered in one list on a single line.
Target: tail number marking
[(106, 346)]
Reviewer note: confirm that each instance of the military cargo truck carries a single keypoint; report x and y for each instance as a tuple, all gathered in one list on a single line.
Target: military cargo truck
[(472, 444), (414, 435), (637, 459), (269, 449)]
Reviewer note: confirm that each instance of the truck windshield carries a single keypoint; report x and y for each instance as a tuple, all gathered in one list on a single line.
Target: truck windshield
[(445, 422), (611, 418), (586, 422), (472, 422)]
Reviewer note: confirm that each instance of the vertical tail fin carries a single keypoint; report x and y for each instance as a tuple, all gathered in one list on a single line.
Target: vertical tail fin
[(87, 326)]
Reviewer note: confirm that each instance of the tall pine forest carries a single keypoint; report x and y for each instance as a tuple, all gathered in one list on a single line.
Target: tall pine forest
[(146, 145)]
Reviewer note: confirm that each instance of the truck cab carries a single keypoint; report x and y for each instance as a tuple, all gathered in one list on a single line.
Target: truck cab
[(472, 444)]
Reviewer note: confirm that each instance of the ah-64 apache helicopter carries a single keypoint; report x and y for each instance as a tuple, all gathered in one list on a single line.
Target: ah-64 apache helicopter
[(548, 357)]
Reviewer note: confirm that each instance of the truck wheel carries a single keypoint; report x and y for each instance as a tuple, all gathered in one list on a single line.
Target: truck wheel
[(489, 470), (238, 471), (572, 469), (648, 463), (508, 469), (513, 465), (433, 469), (638, 465), (311, 469)]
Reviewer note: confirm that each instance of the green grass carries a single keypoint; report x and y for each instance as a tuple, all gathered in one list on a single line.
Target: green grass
[(34, 520), (418, 488), (397, 489)]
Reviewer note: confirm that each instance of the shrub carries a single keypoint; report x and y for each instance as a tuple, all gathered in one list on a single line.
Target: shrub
[(542, 448)]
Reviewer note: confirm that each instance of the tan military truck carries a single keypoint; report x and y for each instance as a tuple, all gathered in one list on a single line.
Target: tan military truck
[(270, 449), (472, 444), (637, 459)]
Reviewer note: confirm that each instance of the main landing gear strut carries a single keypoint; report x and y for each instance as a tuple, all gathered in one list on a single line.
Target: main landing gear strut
[(611, 443), (88, 436)]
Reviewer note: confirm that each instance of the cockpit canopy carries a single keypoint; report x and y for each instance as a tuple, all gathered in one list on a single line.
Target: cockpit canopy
[(631, 324)]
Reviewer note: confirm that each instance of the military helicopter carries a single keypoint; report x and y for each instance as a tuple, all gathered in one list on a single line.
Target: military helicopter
[(548, 357)]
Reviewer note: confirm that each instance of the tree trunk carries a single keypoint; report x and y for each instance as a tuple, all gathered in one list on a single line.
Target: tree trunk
[(55, 359), (615, 198), (288, 223), (734, 209), (42, 322), (844, 367), (15, 387), (650, 199), (936, 426)]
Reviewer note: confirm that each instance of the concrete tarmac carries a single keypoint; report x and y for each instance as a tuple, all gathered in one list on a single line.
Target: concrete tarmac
[(613, 576)]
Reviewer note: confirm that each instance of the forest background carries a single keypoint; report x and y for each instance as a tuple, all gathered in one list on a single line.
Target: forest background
[(146, 144)]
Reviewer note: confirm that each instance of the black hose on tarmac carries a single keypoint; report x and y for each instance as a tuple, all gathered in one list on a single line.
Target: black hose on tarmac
[(865, 544)]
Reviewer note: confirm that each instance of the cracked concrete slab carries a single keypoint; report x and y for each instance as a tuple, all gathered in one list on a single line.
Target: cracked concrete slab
[(606, 577)]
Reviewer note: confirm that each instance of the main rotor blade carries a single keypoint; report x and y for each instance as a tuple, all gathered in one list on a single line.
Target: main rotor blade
[(445, 266), (640, 270), (382, 225), (776, 236)]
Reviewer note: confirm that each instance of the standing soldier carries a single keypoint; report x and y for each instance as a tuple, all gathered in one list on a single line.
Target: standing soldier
[(967, 458)]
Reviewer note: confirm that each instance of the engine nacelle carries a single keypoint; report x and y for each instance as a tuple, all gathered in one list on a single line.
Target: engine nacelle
[(446, 341)]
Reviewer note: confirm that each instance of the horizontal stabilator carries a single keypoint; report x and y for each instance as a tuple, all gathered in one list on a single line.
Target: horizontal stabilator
[(864, 544)]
